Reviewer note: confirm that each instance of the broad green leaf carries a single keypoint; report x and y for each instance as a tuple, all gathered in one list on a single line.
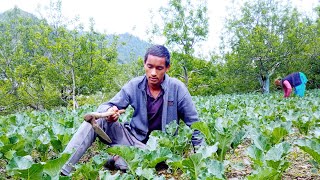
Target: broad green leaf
[(219, 125), (172, 127), (18, 162), (208, 151), (278, 134), (147, 173), (100, 159), (152, 143), (85, 171), (239, 136), (265, 174), (278, 151), (34, 172), (256, 155), (57, 128), (215, 169), (53, 167), (275, 157), (304, 123), (44, 138), (57, 145), (175, 162), (225, 141), (193, 164), (262, 142), (155, 157), (204, 129), (126, 152), (316, 132), (311, 147), (10, 154), (14, 139), (106, 175), (130, 154)]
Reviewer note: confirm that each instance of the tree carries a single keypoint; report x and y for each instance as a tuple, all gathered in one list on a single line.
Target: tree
[(201, 77), (184, 25), (264, 36), (43, 66), (311, 56), (22, 66), (82, 61)]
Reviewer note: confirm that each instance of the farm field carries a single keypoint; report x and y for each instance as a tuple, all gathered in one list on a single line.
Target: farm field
[(247, 136)]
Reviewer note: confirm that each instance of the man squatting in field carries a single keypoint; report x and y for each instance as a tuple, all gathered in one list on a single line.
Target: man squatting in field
[(157, 100), (295, 80)]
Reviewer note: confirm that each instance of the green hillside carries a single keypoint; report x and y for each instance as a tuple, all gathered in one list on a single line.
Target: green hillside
[(130, 47), (16, 12)]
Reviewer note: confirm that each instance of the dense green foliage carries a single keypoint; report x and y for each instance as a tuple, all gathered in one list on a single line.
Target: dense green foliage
[(43, 64), (269, 129), (201, 74), (269, 39), (184, 25), (46, 66)]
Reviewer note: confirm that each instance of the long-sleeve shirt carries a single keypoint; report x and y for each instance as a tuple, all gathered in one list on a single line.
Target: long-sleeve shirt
[(177, 105)]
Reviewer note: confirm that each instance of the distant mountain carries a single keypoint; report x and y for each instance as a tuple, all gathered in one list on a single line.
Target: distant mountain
[(130, 47), (17, 13)]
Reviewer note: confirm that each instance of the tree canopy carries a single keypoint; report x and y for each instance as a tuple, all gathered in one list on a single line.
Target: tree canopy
[(267, 39), (43, 64)]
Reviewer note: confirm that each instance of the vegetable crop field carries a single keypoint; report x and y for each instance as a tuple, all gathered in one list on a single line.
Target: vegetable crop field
[(247, 136)]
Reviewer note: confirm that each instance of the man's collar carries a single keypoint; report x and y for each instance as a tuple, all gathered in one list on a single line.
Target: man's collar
[(142, 85)]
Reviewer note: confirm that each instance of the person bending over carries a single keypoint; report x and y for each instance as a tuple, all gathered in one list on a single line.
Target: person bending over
[(296, 80)]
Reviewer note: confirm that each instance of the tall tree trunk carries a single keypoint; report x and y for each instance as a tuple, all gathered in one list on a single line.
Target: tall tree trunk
[(185, 75), (264, 83), (75, 104)]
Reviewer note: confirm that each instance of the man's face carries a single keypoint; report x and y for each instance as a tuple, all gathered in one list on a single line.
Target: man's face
[(155, 68)]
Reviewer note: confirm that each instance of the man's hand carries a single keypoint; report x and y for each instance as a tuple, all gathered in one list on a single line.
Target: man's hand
[(116, 113)]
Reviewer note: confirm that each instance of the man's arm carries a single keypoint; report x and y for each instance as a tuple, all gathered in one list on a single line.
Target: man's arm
[(188, 112), (120, 100), (287, 88)]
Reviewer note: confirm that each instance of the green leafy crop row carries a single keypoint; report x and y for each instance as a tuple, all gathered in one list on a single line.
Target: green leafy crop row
[(267, 127)]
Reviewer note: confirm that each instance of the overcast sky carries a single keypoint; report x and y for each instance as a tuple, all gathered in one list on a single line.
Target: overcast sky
[(120, 16)]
